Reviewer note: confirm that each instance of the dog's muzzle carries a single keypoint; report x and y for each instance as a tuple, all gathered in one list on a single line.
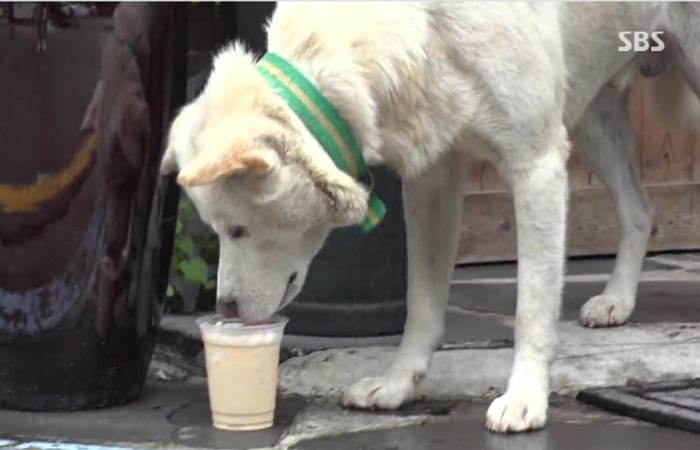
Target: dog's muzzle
[(228, 308)]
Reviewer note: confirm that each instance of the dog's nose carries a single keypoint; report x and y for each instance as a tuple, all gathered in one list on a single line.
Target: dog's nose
[(292, 278), (227, 307)]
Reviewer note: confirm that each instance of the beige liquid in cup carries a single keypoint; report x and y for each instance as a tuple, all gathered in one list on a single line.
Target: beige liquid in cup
[(242, 372)]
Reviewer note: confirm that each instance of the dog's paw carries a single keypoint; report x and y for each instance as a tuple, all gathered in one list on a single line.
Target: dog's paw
[(605, 311), (516, 412), (385, 392)]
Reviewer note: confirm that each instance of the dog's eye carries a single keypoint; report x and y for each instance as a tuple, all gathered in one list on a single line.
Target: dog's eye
[(237, 231)]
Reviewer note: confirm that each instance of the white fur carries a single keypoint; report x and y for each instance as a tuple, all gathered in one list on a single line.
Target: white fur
[(423, 85)]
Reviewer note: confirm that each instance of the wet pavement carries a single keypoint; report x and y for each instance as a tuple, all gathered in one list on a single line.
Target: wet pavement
[(671, 404), (662, 343), (176, 415), (660, 301), (169, 414), (469, 434)]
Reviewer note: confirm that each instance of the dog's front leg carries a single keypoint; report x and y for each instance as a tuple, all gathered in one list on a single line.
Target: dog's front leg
[(432, 204), (540, 191)]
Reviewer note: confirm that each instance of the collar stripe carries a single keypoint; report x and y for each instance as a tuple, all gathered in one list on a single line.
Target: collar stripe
[(323, 122), (332, 141)]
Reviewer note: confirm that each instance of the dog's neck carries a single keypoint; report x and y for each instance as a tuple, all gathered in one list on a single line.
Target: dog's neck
[(376, 80), (322, 119), (351, 97)]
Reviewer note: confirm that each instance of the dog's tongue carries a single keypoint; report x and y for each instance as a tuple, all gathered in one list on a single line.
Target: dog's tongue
[(227, 310)]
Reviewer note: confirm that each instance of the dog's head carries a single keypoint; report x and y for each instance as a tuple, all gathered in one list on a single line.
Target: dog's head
[(263, 184)]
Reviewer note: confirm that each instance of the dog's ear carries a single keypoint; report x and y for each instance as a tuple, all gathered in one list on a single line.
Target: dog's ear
[(89, 123), (211, 164), (184, 128), (345, 200), (342, 200), (168, 164)]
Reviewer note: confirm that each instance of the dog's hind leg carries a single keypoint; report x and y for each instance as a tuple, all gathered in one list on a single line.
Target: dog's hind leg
[(605, 142), (684, 111), (432, 207), (539, 181)]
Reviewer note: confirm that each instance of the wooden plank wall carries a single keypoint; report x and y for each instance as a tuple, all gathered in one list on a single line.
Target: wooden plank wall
[(669, 164)]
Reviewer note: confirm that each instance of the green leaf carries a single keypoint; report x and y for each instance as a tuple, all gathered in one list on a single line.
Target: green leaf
[(186, 245), (170, 292), (195, 269), (211, 284), (210, 244), (179, 226), (185, 205)]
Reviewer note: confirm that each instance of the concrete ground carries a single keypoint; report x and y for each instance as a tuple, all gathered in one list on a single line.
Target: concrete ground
[(175, 415), (661, 344)]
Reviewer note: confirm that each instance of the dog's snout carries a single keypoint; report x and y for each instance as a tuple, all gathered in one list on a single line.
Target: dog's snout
[(227, 307), (292, 278)]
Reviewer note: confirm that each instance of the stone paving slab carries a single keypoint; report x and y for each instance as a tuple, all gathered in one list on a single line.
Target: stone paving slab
[(171, 414), (668, 295), (598, 265), (586, 358), (319, 425), (657, 301), (180, 352), (176, 414), (180, 339), (467, 432), (462, 328), (693, 257), (58, 444)]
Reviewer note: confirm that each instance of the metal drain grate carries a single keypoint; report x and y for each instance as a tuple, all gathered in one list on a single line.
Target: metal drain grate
[(673, 404)]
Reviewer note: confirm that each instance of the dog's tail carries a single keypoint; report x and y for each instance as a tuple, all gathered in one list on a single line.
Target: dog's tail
[(673, 102)]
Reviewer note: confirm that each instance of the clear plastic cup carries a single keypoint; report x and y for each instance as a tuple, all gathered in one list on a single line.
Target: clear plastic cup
[(242, 365)]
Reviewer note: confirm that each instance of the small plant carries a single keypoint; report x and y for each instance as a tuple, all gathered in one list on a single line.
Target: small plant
[(193, 256)]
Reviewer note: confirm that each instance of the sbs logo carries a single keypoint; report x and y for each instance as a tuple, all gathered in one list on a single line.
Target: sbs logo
[(640, 41)]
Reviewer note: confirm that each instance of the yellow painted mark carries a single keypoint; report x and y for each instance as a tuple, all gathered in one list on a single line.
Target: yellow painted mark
[(14, 198)]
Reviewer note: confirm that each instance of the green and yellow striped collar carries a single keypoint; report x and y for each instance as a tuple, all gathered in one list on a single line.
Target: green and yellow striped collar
[(324, 123)]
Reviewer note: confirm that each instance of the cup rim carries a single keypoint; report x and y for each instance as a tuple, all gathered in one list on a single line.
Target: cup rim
[(275, 322)]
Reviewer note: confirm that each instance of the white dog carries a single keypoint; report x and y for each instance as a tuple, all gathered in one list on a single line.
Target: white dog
[(420, 86)]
